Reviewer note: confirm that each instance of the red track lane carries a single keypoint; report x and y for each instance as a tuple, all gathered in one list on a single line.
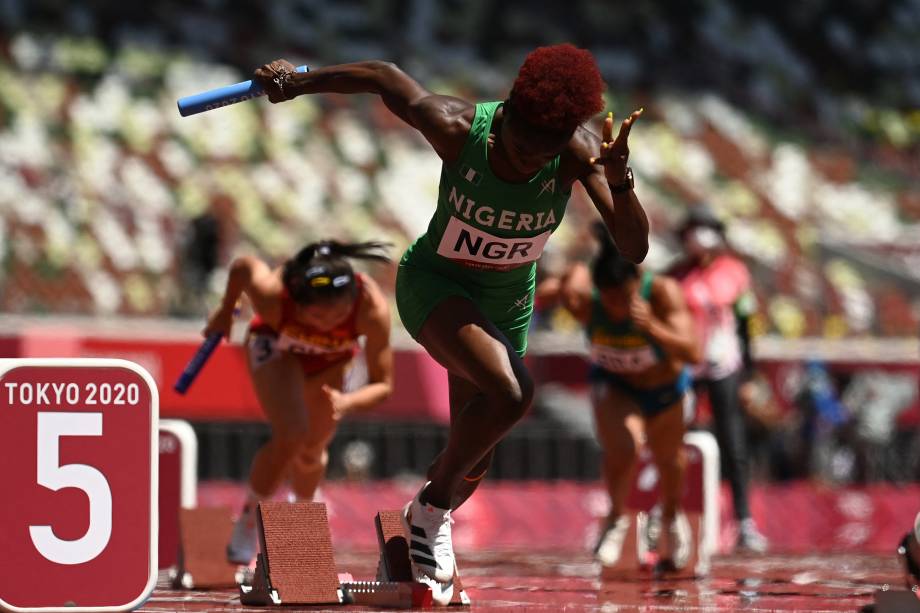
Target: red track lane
[(555, 581)]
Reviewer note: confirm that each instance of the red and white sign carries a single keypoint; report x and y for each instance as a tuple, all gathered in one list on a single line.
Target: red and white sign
[(178, 484), (78, 527)]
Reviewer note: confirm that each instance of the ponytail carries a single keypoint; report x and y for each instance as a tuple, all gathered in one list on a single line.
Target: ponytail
[(321, 272)]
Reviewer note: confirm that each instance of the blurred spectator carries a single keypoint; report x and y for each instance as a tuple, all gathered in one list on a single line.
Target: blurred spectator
[(766, 423), (717, 287), (200, 258), (819, 446), (876, 398)]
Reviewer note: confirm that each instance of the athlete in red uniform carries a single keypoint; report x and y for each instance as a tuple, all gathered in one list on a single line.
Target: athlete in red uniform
[(310, 314)]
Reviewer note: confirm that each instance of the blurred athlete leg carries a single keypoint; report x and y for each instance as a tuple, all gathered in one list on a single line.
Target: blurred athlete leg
[(308, 466)]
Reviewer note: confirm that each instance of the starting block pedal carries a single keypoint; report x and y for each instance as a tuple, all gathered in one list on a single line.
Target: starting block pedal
[(202, 558), (296, 563), (394, 555), (895, 601)]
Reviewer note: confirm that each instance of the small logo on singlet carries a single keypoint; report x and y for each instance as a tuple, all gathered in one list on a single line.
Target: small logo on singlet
[(547, 186), (470, 175), (520, 303)]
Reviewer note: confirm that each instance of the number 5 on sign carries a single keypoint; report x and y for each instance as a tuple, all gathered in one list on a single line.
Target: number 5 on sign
[(51, 427), (78, 525)]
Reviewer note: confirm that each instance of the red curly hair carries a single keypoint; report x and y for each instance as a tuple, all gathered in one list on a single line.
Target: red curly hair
[(558, 87)]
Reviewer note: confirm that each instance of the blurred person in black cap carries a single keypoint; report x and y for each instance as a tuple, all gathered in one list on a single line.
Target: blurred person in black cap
[(200, 256), (717, 288)]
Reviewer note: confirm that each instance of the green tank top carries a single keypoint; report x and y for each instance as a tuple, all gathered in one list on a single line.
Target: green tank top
[(484, 230), (618, 346)]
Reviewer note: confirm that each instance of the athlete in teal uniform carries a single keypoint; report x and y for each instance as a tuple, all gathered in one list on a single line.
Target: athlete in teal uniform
[(465, 288), (642, 341)]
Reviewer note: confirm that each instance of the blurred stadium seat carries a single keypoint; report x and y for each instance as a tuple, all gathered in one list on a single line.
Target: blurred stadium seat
[(101, 180)]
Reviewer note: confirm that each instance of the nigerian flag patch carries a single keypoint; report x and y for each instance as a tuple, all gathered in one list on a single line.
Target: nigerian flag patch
[(470, 175)]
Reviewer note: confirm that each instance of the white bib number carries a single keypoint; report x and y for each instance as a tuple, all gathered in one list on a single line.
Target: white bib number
[(623, 360), (300, 347), (469, 245)]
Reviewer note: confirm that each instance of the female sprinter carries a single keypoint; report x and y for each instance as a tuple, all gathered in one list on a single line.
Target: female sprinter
[(310, 313), (465, 288), (642, 341)]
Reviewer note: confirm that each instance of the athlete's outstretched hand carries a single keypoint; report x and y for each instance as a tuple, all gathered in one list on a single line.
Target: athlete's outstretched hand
[(272, 78), (615, 152), (338, 400)]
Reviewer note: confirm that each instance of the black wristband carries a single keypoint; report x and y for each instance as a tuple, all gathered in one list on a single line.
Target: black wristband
[(627, 184)]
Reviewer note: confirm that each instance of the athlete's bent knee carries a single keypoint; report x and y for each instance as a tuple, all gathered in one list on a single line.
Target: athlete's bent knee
[(513, 394), (480, 469), (310, 461), (289, 442)]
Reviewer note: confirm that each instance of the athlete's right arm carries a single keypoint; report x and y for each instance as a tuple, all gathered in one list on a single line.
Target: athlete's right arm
[(253, 277), (374, 323), (671, 325), (444, 121), (576, 292)]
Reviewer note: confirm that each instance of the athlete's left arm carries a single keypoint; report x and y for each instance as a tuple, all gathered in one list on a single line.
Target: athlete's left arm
[(374, 323), (668, 321), (602, 168)]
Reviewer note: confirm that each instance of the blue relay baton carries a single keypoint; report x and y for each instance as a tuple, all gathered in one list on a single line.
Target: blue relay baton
[(197, 362), (223, 96)]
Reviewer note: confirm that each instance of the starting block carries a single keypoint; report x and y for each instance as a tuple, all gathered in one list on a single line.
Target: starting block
[(202, 560), (178, 485), (296, 565), (394, 554), (895, 601), (700, 505)]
